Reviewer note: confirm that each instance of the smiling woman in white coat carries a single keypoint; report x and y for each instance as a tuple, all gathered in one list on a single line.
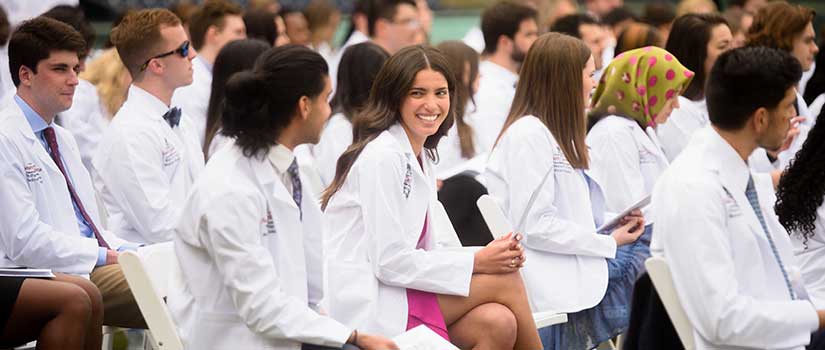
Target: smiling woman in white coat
[(249, 241), (384, 264), (537, 173)]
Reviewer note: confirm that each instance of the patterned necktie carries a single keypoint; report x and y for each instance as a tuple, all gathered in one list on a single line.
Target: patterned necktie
[(753, 199), (172, 116), (51, 140), (296, 185)]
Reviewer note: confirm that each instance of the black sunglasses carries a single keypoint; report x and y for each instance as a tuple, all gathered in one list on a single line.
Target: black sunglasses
[(183, 51)]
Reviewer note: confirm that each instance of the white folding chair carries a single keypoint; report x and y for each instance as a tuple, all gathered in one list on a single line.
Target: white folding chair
[(500, 226), (148, 279), (662, 280)]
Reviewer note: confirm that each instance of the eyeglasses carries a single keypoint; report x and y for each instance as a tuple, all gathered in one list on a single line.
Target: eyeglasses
[(183, 51), (411, 23)]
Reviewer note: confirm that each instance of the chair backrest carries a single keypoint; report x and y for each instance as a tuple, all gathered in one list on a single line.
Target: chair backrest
[(147, 277), (662, 280)]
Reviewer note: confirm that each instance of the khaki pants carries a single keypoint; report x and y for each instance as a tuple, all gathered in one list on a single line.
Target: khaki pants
[(119, 306)]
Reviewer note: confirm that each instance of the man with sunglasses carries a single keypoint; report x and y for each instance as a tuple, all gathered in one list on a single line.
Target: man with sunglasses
[(214, 24), (148, 158)]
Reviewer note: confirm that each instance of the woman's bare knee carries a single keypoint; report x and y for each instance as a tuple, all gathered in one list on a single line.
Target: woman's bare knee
[(499, 324), (75, 303)]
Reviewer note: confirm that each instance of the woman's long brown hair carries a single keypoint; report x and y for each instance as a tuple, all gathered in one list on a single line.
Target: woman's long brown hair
[(550, 88), (391, 86), (460, 55)]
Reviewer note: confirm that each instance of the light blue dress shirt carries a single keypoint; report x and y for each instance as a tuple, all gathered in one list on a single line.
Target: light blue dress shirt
[(38, 124)]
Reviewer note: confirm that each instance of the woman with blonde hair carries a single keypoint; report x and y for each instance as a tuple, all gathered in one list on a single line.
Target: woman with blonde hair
[(538, 171), (108, 74)]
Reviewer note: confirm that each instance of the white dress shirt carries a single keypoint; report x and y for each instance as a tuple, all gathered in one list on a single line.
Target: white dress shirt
[(194, 98), (144, 169), (567, 269), (335, 138), (496, 89), (625, 159), (726, 274), (85, 121), (683, 122)]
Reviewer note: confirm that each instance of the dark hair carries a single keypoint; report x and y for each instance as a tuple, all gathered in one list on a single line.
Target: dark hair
[(382, 111), (801, 188), (260, 103), (816, 85), (659, 13), (235, 56), (34, 40), (688, 41), (5, 26), (384, 9), (360, 6), (359, 65), (745, 79), (637, 35), (570, 24), (618, 15), (503, 18), (458, 55), (776, 25), (74, 17), (261, 25), (211, 13)]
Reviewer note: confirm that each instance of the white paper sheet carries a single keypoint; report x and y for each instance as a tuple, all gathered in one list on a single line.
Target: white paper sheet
[(422, 338)]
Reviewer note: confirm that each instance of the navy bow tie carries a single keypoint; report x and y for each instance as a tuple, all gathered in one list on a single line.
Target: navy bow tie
[(172, 116)]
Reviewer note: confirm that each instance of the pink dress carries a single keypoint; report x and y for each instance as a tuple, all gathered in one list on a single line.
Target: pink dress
[(423, 306)]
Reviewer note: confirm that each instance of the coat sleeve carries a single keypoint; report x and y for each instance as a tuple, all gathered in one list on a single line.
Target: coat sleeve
[(697, 249), (543, 228), (393, 261), (133, 174), (24, 237), (233, 240)]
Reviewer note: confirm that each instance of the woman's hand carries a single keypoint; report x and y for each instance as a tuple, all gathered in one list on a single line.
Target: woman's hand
[(374, 342), (503, 255), (632, 227)]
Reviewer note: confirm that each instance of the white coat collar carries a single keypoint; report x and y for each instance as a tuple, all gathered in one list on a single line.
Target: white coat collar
[(146, 103), (723, 158)]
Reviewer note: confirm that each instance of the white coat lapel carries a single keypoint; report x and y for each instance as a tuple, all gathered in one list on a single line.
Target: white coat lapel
[(271, 185)]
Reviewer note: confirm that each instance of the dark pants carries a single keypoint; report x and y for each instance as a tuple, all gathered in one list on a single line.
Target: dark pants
[(459, 194)]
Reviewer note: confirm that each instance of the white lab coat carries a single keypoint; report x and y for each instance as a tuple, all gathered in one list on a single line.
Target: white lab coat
[(475, 38), (357, 37), (38, 226), (567, 268), (811, 255), (85, 121), (625, 160), (144, 169), (373, 224), (496, 89), (675, 133), (723, 267), (193, 99), (250, 268), (335, 139)]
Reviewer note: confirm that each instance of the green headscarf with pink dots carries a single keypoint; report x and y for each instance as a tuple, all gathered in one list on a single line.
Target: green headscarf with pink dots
[(637, 84)]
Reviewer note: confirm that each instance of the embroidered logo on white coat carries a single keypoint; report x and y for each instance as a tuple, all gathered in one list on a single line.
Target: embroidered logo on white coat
[(407, 187), (34, 173)]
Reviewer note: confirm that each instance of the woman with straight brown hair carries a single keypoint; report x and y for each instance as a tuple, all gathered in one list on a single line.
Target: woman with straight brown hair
[(382, 255), (460, 163), (537, 171)]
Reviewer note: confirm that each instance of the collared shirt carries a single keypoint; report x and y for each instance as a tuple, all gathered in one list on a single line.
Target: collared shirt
[(281, 158), (38, 124), (497, 87), (206, 64)]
